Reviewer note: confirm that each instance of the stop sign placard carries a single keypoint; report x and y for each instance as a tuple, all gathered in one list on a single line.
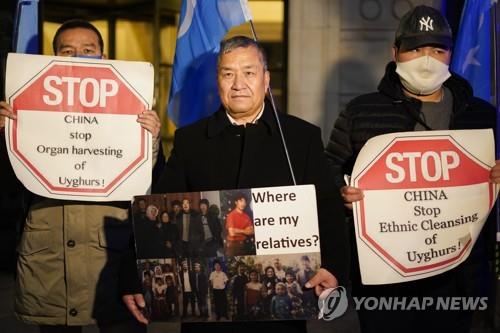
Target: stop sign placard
[(76, 134), (79, 87), (426, 197)]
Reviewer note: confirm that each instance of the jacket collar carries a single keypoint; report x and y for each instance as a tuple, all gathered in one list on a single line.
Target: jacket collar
[(219, 121), (391, 85)]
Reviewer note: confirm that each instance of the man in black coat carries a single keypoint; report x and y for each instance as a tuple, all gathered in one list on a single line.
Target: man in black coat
[(186, 278), (239, 146), (212, 229), (238, 284), (416, 93), (200, 283), (190, 230)]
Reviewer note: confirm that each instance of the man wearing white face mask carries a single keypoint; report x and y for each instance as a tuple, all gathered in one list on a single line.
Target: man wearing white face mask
[(417, 92)]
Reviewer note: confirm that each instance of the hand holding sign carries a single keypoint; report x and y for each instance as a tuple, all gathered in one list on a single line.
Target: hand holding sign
[(495, 173), (5, 112), (351, 194), (149, 121), (75, 132), (426, 197)]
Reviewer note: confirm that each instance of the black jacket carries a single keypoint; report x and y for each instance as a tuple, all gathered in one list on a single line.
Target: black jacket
[(202, 288), (191, 280), (195, 232), (215, 228), (212, 154), (389, 111)]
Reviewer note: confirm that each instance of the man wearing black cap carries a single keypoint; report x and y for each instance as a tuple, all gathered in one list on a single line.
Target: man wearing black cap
[(416, 93)]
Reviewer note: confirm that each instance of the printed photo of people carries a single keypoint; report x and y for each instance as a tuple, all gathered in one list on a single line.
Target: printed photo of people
[(197, 262), (175, 289), (230, 288), (178, 225), (272, 286), (160, 288), (238, 217)]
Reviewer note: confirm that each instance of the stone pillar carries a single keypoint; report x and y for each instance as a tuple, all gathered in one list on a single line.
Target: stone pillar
[(337, 50)]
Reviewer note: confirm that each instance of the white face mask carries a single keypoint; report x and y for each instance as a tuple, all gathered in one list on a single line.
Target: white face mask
[(422, 76)]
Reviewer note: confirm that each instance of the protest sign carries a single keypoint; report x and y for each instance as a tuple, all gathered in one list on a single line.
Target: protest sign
[(426, 198), (262, 243), (76, 134)]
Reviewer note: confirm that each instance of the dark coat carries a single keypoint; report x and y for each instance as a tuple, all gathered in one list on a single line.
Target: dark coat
[(170, 233), (213, 154), (195, 233), (239, 284), (202, 289), (215, 228), (389, 111), (191, 280)]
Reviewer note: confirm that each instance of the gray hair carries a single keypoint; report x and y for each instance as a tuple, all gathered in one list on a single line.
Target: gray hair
[(235, 42)]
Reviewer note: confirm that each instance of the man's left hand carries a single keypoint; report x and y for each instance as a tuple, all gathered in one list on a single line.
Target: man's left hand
[(149, 120), (321, 281), (135, 303), (495, 173)]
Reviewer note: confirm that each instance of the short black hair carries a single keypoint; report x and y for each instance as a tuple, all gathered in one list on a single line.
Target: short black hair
[(74, 24), (269, 267), (204, 202), (235, 42), (239, 196), (175, 203)]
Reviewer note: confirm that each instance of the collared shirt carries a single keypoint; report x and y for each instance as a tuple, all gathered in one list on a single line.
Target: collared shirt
[(187, 283), (254, 121), (185, 227), (218, 279)]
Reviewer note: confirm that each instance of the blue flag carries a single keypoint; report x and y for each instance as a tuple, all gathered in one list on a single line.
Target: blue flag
[(203, 24), (26, 27), (473, 53)]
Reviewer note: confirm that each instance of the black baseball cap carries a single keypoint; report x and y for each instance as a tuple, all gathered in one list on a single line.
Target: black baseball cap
[(423, 25)]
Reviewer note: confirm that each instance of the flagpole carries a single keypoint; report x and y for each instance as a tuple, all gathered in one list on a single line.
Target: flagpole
[(275, 111)]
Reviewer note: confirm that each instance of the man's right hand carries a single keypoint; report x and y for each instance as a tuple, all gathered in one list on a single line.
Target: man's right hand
[(5, 111), (134, 304), (351, 194)]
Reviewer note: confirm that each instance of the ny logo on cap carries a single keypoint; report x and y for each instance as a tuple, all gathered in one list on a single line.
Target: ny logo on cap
[(426, 23)]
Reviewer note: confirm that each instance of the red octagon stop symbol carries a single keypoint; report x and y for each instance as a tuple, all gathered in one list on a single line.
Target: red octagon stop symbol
[(65, 86), (410, 163)]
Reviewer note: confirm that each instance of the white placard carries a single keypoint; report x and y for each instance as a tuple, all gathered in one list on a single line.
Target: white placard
[(426, 197), (285, 219), (76, 135)]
